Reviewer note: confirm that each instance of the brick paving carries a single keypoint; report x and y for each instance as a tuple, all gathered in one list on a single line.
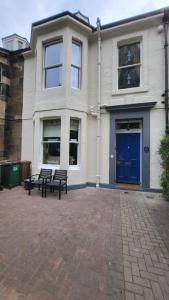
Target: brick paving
[(145, 251), (91, 245)]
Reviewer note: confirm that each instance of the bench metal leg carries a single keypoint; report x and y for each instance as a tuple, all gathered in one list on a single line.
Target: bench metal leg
[(59, 192)]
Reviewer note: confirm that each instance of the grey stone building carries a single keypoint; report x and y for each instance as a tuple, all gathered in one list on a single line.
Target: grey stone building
[(11, 97)]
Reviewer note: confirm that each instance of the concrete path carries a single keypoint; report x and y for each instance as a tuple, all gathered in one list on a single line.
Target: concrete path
[(91, 245)]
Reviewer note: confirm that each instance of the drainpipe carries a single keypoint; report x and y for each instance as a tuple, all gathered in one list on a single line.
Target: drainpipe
[(98, 103), (165, 25)]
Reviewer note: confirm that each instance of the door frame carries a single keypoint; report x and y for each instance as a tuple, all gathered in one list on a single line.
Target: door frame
[(144, 116)]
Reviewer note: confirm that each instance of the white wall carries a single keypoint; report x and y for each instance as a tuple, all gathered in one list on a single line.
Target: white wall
[(157, 130), (152, 87), (65, 102), (39, 103)]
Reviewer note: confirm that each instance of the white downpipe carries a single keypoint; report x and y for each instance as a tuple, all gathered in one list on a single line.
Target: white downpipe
[(98, 104)]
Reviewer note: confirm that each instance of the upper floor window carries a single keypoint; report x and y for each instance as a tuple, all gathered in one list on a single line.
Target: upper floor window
[(76, 65), (4, 72), (53, 64), (129, 66)]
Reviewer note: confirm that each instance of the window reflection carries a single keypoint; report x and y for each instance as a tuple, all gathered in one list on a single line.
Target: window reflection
[(53, 65)]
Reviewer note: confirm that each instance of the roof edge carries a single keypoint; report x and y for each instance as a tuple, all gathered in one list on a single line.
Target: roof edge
[(14, 34), (60, 15), (135, 18), (103, 27), (15, 52), (4, 51)]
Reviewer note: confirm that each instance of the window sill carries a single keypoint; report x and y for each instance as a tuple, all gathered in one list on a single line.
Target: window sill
[(49, 166), (75, 89), (130, 91), (74, 168), (52, 88)]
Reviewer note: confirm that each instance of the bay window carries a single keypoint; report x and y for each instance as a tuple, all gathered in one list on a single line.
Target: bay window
[(76, 65), (53, 65), (51, 141), (74, 142)]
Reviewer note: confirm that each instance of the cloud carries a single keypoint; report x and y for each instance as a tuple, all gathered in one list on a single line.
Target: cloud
[(16, 16)]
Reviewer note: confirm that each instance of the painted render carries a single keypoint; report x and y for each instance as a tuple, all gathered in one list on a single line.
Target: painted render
[(65, 102)]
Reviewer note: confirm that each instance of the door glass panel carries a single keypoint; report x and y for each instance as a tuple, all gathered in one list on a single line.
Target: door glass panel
[(128, 125)]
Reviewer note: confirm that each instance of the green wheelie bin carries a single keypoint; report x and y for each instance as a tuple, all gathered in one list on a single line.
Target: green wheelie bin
[(10, 174)]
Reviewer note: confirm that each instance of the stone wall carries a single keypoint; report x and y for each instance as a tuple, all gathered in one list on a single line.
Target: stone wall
[(11, 108), (13, 126), (4, 61)]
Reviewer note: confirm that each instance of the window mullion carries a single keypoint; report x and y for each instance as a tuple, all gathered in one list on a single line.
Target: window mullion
[(129, 66)]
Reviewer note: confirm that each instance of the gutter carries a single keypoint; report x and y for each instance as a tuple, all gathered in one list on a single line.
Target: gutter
[(98, 103), (165, 25), (60, 15)]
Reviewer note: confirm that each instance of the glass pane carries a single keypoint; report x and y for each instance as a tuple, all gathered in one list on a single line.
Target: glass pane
[(128, 125), (74, 129), (51, 153), (76, 54), (51, 130), (129, 54), (5, 70), (53, 54), (75, 77), (53, 77), (129, 77), (73, 153)]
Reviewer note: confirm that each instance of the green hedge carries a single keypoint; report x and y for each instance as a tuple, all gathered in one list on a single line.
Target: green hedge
[(164, 152)]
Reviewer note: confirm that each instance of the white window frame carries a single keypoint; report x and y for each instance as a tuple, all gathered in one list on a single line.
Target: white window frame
[(72, 167), (79, 68), (45, 45), (143, 38), (44, 142)]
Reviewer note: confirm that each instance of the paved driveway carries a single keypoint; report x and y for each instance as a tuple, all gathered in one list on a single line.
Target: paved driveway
[(91, 245)]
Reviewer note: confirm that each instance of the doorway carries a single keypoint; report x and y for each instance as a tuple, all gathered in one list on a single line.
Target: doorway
[(128, 152)]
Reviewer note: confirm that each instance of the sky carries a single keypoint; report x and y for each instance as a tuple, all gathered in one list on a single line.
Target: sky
[(16, 16)]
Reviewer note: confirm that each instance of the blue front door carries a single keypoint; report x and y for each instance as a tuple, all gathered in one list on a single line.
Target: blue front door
[(128, 158)]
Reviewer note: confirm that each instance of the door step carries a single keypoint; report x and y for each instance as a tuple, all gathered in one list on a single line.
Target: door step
[(128, 186)]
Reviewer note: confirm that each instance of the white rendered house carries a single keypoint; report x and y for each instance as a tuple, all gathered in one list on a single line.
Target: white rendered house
[(92, 99)]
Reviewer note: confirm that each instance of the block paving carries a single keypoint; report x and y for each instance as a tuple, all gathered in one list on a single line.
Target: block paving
[(145, 251), (92, 245)]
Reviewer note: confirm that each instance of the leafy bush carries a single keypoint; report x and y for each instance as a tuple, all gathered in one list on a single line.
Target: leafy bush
[(164, 152)]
